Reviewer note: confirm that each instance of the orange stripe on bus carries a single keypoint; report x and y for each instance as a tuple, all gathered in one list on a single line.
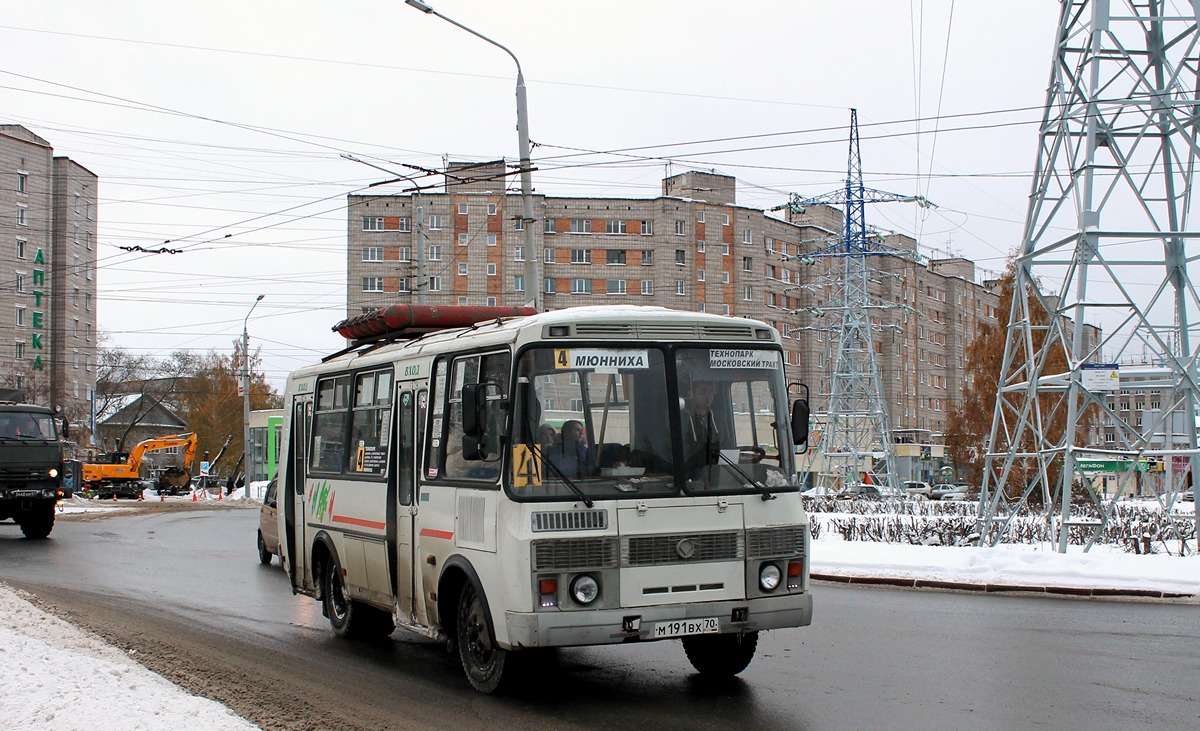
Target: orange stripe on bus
[(359, 521), (447, 534)]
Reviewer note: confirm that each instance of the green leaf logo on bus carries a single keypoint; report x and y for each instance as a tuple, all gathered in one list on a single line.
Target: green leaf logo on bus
[(320, 500)]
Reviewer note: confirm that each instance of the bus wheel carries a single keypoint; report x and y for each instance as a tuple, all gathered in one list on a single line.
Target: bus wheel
[(38, 521), (482, 660), (720, 655), (348, 618)]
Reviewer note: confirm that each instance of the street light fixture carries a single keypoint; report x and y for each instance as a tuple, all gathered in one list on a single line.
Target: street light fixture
[(246, 399), (533, 258)]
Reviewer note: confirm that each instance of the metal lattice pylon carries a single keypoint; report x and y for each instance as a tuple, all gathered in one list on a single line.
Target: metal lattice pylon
[(857, 434), (1103, 277)]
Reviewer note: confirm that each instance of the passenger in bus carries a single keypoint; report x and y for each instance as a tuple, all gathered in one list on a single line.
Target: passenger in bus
[(570, 455), (702, 436), (547, 438)]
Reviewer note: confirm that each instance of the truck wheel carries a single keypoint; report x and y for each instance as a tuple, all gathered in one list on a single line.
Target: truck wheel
[(720, 655), (483, 662), (38, 521), (349, 618), (264, 556)]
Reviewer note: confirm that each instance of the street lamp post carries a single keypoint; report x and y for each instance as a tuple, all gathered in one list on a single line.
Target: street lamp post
[(246, 399), (533, 258)]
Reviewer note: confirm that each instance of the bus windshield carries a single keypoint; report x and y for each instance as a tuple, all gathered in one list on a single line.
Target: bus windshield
[(644, 421)]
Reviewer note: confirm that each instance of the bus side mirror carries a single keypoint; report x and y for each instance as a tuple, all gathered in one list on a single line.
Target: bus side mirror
[(474, 406), (800, 421)]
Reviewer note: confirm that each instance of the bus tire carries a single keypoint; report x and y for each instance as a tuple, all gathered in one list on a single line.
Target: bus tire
[(720, 655), (351, 619), (38, 521), (482, 660)]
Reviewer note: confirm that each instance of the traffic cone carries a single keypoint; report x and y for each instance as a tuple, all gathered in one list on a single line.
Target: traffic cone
[(114, 497), (193, 496), (220, 494), (162, 498), (141, 496)]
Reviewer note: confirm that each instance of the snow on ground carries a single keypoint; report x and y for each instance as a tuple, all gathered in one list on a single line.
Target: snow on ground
[(58, 677)]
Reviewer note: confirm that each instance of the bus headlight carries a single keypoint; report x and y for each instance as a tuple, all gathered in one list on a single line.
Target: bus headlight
[(769, 576), (53, 472), (585, 589)]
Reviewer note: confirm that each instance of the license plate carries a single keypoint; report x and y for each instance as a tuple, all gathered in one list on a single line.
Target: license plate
[(26, 493), (681, 627)]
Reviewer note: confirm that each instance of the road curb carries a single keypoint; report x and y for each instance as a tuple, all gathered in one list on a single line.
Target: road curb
[(997, 588)]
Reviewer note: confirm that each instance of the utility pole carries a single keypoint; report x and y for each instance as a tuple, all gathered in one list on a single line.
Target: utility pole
[(246, 398)]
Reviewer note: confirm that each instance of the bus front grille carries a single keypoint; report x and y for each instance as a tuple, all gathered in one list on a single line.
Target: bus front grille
[(570, 520), (567, 554), (655, 550), (777, 541)]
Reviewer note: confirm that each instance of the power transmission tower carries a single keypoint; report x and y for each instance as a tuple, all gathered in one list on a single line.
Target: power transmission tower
[(857, 437), (1104, 273)]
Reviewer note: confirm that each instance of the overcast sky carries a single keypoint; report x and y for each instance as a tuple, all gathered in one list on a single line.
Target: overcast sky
[(220, 126)]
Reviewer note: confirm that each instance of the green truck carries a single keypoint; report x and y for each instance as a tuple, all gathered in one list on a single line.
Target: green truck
[(31, 464)]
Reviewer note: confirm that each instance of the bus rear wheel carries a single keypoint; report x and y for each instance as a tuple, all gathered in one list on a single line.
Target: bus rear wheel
[(349, 618), (482, 660), (720, 655)]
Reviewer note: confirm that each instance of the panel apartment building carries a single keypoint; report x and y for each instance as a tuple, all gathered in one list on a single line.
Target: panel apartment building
[(691, 248), (48, 266)]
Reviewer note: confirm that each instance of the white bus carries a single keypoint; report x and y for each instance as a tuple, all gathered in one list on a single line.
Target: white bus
[(549, 480)]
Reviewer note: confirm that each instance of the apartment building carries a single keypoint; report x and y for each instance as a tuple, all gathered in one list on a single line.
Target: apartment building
[(48, 268), (690, 248)]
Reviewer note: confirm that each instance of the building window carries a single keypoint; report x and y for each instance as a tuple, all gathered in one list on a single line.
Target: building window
[(20, 281), (462, 209), (581, 226), (491, 270), (724, 219), (87, 332), (581, 256), (647, 257), (680, 228), (405, 253), (700, 307), (647, 286), (462, 301), (90, 270), (680, 287), (746, 236), (518, 253), (746, 293), (435, 252), (491, 301), (491, 209), (615, 286), (699, 275), (405, 224), (550, 285), (614, 226), (549, 225), (463, 239), (462, 269), (372, 253), (725, 249), (519, 283), (21, 248), (680, 257), (615, 256), (700, 246), (747, 264), (435, 284), (581, 286), (724, 277), (22, 182), (548, 255), (21, 215), (493, 239), (19, 352), (372, 284), (647, 228), (372, 223), (725, 310), (435, 222), (21, 316), (405, 284), (519, 224), (699, 216), (87, 240)]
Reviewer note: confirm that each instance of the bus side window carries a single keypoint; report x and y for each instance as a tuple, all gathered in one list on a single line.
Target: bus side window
[(329, 425), (493, 369)]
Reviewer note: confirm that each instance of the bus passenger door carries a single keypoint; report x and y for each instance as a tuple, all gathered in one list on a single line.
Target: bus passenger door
[(294, 497), (410, 409)]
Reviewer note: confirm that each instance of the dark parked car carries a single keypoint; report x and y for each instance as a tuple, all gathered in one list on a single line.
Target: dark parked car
[(859, 490), (268, 526)]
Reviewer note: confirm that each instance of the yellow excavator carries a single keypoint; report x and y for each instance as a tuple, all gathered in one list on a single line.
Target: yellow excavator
[(119, 475)]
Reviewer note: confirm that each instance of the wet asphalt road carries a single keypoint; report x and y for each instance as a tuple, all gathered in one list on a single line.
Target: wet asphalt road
[(184, 589)]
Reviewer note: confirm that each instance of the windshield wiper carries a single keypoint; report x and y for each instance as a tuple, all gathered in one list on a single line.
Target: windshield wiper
[(566, 480), (761, 488)]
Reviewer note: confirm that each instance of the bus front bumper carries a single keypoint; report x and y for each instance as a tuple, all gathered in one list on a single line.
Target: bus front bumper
[(608, 626)]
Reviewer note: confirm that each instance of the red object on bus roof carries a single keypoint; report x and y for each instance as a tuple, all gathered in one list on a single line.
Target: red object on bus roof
[(413, 320)]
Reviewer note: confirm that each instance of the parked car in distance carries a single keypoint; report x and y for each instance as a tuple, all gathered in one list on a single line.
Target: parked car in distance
[(941, 489), (964, 492), (916, 487), (1188, 496), (268, 527), (859, 490)]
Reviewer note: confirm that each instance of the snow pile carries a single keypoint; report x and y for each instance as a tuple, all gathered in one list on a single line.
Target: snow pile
[(58, 677)]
